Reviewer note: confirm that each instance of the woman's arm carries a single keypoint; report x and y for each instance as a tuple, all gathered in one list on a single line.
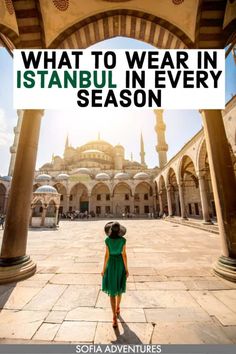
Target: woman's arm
[(124, 255), (105, 260)]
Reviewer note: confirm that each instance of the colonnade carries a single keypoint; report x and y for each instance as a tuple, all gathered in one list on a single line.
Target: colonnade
[(15, 264)]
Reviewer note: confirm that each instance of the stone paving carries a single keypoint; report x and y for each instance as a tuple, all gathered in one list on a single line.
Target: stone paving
[(172, 294)]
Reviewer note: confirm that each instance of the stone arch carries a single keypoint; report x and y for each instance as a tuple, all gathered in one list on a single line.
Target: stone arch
[(126, 23), (79, 198), (190, 185), (100, 200), (172, 185), (51, 209), (3, 192), (122, 199)]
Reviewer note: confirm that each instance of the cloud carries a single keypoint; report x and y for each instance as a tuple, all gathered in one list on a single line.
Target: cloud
[(5, 135)]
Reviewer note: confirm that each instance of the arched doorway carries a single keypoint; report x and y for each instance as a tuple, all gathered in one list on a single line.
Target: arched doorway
[(79, 198), (190, 185), (174, 192)]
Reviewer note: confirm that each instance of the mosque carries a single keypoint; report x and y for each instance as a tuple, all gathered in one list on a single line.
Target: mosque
[(95, 178)]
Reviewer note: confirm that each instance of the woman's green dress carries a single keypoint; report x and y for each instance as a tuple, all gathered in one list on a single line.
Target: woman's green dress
[(114, 279)]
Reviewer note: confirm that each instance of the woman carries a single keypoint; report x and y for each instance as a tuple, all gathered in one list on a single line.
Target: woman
[(115, 269)]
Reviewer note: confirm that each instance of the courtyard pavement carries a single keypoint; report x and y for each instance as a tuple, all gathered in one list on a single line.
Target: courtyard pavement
[(172, 296)]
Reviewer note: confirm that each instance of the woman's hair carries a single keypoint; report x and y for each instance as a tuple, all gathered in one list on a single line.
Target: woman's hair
[(115, 229)]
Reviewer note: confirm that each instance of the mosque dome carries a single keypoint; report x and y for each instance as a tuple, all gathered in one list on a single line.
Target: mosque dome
[(62, 176), (46, 189), (83, 171), (102, 176), (122, 175), (43, 177), (141, 175)]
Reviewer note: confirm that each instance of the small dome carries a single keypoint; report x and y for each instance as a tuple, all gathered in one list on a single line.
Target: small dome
[(122, 175), (43, 177), (83, 171), (102, 176), (141, 175), (46, 189), (62, 176), (6, 178)]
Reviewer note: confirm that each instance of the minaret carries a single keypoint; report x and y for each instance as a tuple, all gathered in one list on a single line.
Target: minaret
[(13, 148), (160, 129), (67, 142), (142, 152)]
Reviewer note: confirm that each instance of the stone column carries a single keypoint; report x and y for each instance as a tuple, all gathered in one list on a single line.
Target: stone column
[(181, 199), (89, 203), (161, 203), (224, 187), (177, 211), (169, 202), (43, 216), (14, 263), (204, 201), (132, 204), (67, 203)]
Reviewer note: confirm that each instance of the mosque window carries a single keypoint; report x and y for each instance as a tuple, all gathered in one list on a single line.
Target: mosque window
[(146, 209), (71, 197), (61, 198), (99, 197), (136, 196), (126, 196), (146, 196), (98, 210), (107, 196)]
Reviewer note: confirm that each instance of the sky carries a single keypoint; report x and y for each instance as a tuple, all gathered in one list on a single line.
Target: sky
[(115, 126)]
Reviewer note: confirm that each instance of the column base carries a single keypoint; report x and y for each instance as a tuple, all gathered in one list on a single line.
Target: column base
[(226, 268), (209, 222), (15, 269)]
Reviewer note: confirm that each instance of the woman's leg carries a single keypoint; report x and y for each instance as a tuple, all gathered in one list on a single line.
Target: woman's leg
[(118, 303), (113, 305)]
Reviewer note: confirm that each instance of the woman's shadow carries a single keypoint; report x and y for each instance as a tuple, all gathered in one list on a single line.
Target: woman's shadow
[(127, 337)]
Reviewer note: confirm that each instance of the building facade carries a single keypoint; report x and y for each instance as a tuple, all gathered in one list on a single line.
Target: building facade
[(96, 177)]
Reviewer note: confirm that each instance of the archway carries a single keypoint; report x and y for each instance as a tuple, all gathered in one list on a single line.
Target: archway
[(123, 201), (174, 192), (79, 198), (100, 201), (63, 198), (192, 200), (143, 199)]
